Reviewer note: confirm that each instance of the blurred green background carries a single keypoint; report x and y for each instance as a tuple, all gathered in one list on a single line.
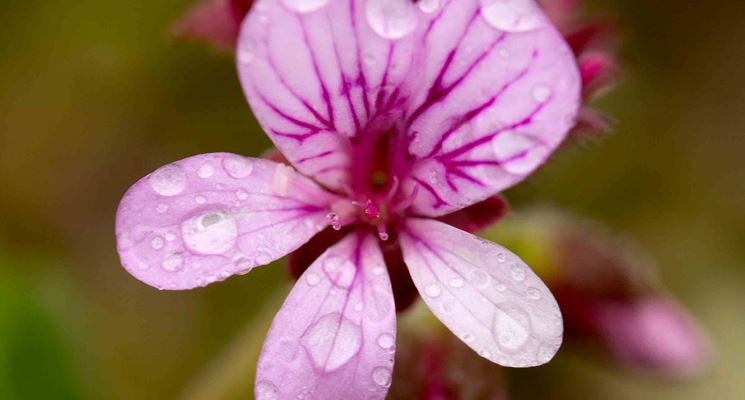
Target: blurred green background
[(94, 95)]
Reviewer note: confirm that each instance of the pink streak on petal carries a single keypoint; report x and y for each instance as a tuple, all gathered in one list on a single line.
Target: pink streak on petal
[(334, 337), (207, 217), (483, 293), (491, 106)]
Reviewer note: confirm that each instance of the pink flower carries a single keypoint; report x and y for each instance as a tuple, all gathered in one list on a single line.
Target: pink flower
[(392, 114)]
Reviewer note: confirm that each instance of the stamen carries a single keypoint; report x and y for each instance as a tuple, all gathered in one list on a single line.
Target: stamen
[(382, 232), (393, 189), (334, 220), (408, 201), (372, 210)]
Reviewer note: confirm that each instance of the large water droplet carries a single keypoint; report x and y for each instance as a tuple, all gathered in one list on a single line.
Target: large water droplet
[(169, 180), (237, 167), (512, 15), (332, 341), (428, 6), (511, 326), (391, 19), (173, 263), (210, 233), (304, 6), (386, 341), (382, 375), (266, 390), (340, 270)]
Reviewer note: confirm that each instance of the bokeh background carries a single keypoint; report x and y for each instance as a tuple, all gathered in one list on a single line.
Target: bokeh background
[(94, 95)]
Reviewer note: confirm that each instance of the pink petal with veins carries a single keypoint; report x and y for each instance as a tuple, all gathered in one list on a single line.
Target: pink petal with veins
[(335, 336), (207, 217), (483, 293)]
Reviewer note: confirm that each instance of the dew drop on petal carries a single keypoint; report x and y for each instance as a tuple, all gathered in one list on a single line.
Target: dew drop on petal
[(157, 243), (386, 341), (200, 199), (501, 257), (305, 6), (332, 341), (456, 283), (511, 326), (281, 180), (433, 290), (170, 236), (534, 293), (340, 271), (210, 233), (313, 279), (205, 171), (161, 208), (173, 263), (478, 277), (541, 93), (382, 376), (237, 167), (169, 180), (241, 195), (266, 390), (517, 272), (428, 6), (512, 15), (391, 19)]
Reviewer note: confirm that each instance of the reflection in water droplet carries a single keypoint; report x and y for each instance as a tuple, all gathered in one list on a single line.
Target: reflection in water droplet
[(340, 270), (382, 376), (512, 15), (210, 233), (169, 180), (511, 326), (237, 167), (173, 263), (266, 390), (206, 171), (391, 19), (305, 6), (386, 341), (332, 341), (433, 290)]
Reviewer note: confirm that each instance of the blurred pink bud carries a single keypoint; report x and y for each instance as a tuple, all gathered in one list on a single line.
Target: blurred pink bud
[(216, 22), (653, 333)]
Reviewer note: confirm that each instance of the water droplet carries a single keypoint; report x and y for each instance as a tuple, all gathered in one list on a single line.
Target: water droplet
[(246, 51), (501, 287), (504, 53), (541, 93), (340, 270), (534, 293), (210, 233), (244, 265), (511, 326), (378, 271), (391, 19), (433, 290), (237, 167), (447, 307), (517, 272), (334, 220), (200, 199), (170, 236), (305, 6), (241, 195), (169, 180), (428, 6), (205, 171), (478, 277), (382, 376), (512, 15), (332, 341), (266, 390), (313, 279), (157, 243), (262, 256), (456, 283), (468, 338), (501, 257), (173, 263), (161, 208), (386, 341)]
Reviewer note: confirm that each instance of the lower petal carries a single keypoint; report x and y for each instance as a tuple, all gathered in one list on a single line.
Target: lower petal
[(335, 334), (483, 293)]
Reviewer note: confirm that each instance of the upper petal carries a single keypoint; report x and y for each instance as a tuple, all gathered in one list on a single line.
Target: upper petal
[(207, 217), (499, 92), (483, 293), (335, 336)]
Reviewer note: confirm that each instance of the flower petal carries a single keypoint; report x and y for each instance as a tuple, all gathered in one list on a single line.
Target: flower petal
[(483, 293), (335, 334), (207, 217), (475, 218), (500, 89)]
